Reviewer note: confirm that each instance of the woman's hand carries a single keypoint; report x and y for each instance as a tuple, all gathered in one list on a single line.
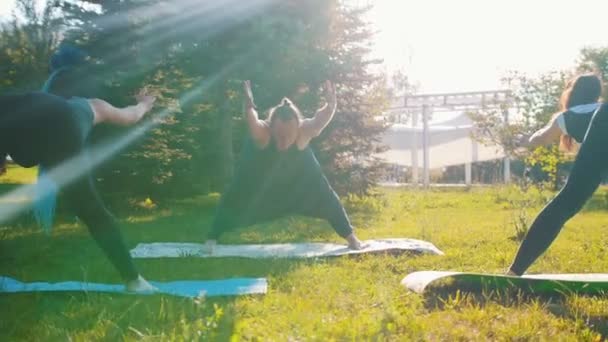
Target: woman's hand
[(329, 91), (145, 101), (248, 94)]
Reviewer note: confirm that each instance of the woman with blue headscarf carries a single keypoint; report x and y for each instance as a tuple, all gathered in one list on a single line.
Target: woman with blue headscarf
[(64, 66), (49, 129)]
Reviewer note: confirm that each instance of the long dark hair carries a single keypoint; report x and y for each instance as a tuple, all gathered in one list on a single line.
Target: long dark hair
[(284, 111), (582, 89)]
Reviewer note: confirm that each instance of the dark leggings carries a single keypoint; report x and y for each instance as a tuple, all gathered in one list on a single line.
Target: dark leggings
[(39, 128), (328, 207), (88, 206), (324, 204), (590, 166)]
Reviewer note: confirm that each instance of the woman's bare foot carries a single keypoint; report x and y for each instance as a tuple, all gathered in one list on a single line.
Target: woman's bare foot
[(210, 247), (354, 242), (512, 274), (140, 285)]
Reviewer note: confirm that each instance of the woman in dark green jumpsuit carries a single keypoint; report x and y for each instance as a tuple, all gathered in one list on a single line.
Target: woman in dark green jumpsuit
[(278, 173)]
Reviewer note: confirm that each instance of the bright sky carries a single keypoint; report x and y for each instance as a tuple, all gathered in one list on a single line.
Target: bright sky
[(450, 46), (6, 6)]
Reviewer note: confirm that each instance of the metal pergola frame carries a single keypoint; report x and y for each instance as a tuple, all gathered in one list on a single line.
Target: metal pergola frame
[(426, 104)]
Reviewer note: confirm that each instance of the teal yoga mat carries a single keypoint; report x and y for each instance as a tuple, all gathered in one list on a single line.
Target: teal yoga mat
[(182, 288)]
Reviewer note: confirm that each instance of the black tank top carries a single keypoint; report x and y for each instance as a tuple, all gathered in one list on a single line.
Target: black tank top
[(576, 120)]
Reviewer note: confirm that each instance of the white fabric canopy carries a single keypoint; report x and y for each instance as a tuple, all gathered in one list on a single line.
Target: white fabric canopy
[(450, 143)]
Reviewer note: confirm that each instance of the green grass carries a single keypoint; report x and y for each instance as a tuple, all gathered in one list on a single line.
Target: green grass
[(339, 299), (18, 175), (14, 177)]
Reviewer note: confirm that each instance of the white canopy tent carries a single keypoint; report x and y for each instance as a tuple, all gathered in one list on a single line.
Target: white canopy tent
[(442, 141)]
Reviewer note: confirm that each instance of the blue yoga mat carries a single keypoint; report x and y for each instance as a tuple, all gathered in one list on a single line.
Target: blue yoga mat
[(183, 288)]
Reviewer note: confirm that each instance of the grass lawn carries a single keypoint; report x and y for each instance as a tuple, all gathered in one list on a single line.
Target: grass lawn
[(339, 299)]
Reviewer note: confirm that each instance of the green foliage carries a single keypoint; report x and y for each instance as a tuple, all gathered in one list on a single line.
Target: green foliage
[(369, 204), (595, 59), (519, 199), (537, 99), (521, 224), (548, 158), (492, 129), (18, 175), (193, 57), (26, 44), (347, 147)]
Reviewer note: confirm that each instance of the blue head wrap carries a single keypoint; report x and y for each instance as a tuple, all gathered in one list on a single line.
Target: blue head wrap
[(67, 56)]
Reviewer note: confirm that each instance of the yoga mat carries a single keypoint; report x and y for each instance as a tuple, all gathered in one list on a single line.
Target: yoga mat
[(283, 250), (182, 288), (591, 283)]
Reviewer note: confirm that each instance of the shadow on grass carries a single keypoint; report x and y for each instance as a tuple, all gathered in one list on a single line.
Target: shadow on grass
[(453, 294), (111, 317), (599, 202)]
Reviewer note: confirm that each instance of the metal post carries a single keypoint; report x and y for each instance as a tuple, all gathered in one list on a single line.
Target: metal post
[(414, 149), (425, 144), (507, 160)]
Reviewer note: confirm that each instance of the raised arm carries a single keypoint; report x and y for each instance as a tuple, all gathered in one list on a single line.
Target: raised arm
[(258, 129), (107, 113), (311, 128), (546, 135)]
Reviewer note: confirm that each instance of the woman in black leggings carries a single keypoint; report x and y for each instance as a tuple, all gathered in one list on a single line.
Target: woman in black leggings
[(47, 130), (585, 120)]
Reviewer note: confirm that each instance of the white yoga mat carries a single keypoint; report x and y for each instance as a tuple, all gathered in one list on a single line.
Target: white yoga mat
[(283, 250)]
